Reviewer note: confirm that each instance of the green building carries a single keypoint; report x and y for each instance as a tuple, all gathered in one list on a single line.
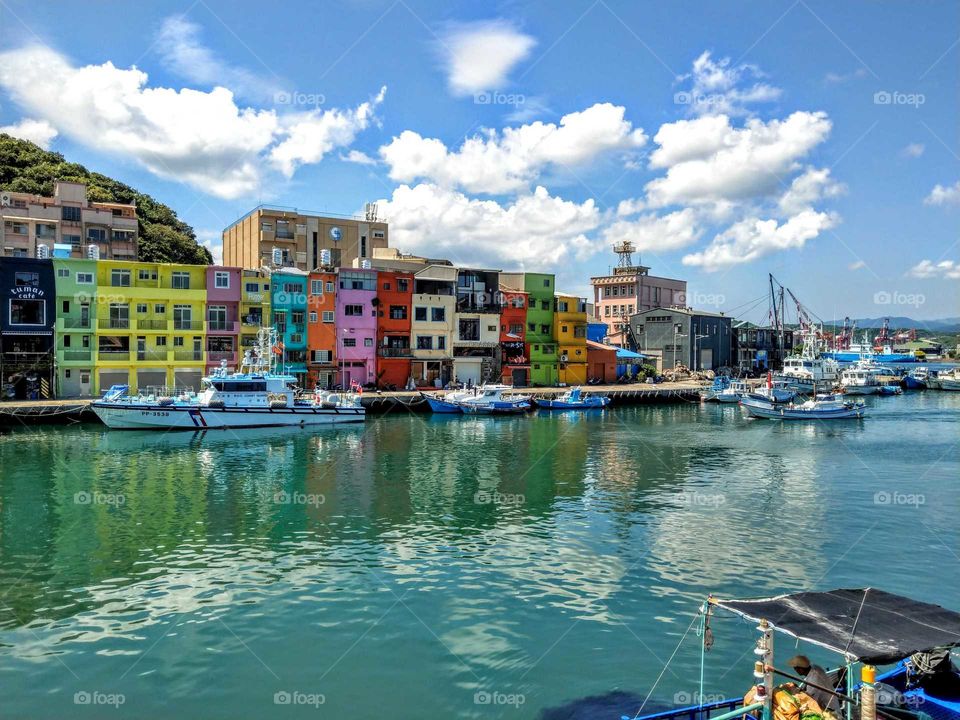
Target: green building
[(76, 282), (541, 346)]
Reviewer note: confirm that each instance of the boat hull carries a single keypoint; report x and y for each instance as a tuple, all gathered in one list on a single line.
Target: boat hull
[(912, 383), (774, 412), (861, 389), (442, 406), (877, 357), (129, 416), (586, 404), (949, 384), (496, 408)]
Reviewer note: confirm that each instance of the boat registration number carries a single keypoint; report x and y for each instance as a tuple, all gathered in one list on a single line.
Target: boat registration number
[(154, 413)]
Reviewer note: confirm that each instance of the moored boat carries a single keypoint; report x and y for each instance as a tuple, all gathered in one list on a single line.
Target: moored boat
[(916, 379), (490, 400), (821, 407), (447, 403), (860, 379), (720, 383), (573, 399)]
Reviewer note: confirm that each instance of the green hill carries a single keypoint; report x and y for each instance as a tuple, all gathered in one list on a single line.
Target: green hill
[(25, 167)]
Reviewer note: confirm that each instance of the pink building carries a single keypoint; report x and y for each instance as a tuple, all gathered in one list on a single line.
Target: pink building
[(224, 286), (356, 326), (628, 290)]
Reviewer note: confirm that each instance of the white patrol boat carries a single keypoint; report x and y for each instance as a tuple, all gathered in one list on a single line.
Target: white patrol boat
[(255, 397)]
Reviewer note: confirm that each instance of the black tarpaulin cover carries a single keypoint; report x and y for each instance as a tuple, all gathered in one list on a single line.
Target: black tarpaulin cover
[(865, 624)]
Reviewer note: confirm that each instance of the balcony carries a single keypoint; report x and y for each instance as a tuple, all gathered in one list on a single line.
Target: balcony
[(395, 352), (224, 326), (114, 324), (147, 324), (188, 355), (152, 355), (77, 355), (114, 356), (77, 323), (253, 320), (215, 356), (194, 325)]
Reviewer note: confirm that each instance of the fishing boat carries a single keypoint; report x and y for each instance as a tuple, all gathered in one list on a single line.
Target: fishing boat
[(891, 390), (447, 403), (804, 371), (256, 396), (945, 380), (822, 407), (862, 378), (864, 627), (772, 392), (573, 399), (916, 379), (490, 400)]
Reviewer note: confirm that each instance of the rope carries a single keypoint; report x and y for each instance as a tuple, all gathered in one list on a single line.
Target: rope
[(660, 676)]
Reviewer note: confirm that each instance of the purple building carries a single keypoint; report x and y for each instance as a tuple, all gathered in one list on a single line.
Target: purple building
[(356, 324), (224, 286)]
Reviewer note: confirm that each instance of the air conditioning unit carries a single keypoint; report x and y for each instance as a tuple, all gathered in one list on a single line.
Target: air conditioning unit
[(5, 199), (93, 252), (43, 251), (563, 358)]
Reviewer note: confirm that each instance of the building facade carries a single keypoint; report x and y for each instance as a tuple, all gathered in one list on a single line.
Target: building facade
[(283, 237), (224, 293), (601, 362), (356, 323), (683, 336), (570, 333), (394, 322), (540, 343), (322, 330), (758, 348), (254, 307), (288, 308), (76, 282), (477, 335), (67, 223), (27, 325), (433, 326), (514, 361)]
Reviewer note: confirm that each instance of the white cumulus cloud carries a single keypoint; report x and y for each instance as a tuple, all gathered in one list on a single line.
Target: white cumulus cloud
[(806, 189), (536, 230), (944, 195), (657, 233), (480, 55), (510, 160), (719, 87), (36, 131), (944, 269)]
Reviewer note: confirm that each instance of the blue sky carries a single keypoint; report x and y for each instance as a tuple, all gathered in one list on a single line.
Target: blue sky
[(817, 141)]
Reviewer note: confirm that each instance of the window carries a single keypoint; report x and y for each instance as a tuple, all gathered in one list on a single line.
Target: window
[(328, 316), (469, 330), (280, 320), (420, 314), (180, 280), (141, 308), (546, 282), (146, 274), (296, 317), (182, 317), (403, 285), (544, 304), (178, 341), (63, 272), (217, 317), (221, 279), (441, 342), (291, 288), (349, 342), (322, 356), (564, 329), (580, 332), (313, 317), (353, 310), (252, 287), (27, 312), (119, 315), (516, 329), (544, 329), (70, 214), (266, 227), (378, 234), (532, 327), (66, 306), (71, 239), (316, 287), (352, 280), (159, 308), (161, 341), (398, 312), (606, 311), (120, 278), (45, 231), (96, 235), (329, 287), (438, 314), (363, 246), (424, 342), (386, 286), (16, 228), (368, 342), (123, 235), (296, 338)]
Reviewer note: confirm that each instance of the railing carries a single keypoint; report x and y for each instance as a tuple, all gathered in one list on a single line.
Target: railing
[(252, 320), (114, 324), (218, 355), (114, 355), (188, 355), (77, 323), (394, 352), (77, 355), (222, 326), (145, 324), (152, 355), (188, 325)]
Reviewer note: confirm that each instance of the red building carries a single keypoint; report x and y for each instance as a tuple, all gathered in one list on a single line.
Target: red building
[(394, 314), (321, 330), (515, 363), (602, 362)]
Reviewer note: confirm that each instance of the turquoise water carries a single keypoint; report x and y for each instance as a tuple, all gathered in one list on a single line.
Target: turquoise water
[(427, 567)]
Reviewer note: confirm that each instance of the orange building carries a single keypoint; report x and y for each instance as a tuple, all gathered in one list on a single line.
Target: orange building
[(394, 311), (601, 362), (321, 329), (513, 334)]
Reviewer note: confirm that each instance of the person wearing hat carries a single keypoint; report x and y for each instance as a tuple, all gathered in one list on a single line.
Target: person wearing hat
[(815, 675)]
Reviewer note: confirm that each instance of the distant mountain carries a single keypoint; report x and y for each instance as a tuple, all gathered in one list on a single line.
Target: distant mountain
[(25, 167), (943, 325)]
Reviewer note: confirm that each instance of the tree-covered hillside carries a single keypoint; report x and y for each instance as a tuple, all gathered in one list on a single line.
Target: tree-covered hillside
[(25, 167)]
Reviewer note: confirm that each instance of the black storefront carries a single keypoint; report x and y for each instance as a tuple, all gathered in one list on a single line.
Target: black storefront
[(27, 319)]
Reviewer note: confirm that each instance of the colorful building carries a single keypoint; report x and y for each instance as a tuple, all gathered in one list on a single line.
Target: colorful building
[(356, 324), (150, 325), (514, 362), (254, 306), (322, 330), (477, 326), (541, 347), (76, 282), (394, 320), (27, 328), (601, 362), (570, 333), (224, 293), (288, 308), (433, 325)]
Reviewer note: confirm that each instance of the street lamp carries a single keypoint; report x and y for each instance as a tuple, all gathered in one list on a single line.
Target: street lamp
[(676, 333)]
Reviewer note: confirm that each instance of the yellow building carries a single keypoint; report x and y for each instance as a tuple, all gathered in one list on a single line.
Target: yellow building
[(150, 325), (570, 334), (254, 306)]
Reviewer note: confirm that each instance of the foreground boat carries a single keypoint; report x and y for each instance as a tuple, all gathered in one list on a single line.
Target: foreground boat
[(447, 403), (573, 399), (255, 397), (490, 400), (822, 407)]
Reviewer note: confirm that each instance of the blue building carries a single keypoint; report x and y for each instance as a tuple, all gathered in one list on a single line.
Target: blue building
[(288, 291), (27, 319)]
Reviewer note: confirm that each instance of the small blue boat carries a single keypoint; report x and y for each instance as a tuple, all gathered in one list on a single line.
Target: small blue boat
[(447, 403), (573, 400), (916, 379), (890, 390)]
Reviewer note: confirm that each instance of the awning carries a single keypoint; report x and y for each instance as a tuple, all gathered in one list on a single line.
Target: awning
[(629, 355), (865, 624)]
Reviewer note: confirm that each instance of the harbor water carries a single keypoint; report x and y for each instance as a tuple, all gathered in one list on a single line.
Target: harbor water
[(444, 566)]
